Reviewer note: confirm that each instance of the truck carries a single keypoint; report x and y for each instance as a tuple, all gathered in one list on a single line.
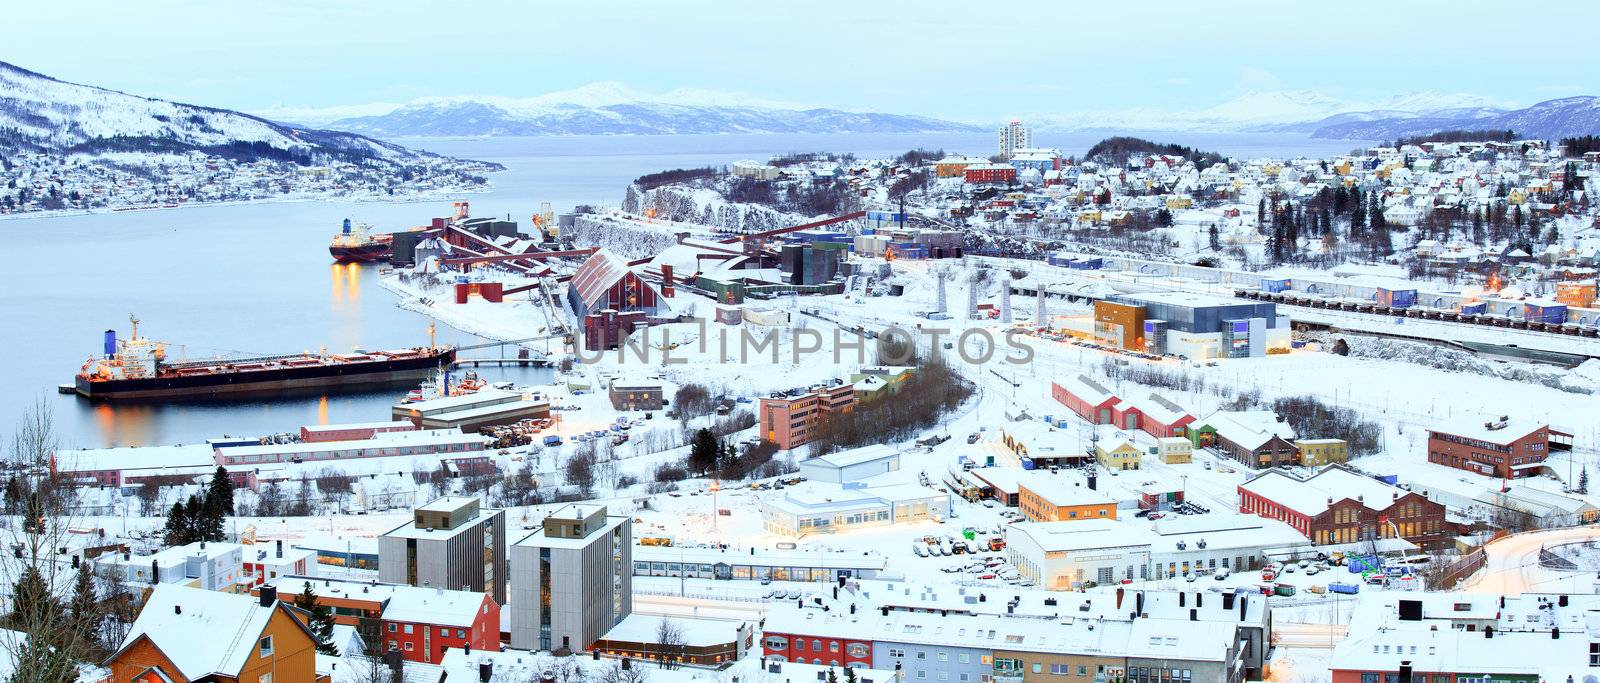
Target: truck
[(552, 440), (1345, 588)]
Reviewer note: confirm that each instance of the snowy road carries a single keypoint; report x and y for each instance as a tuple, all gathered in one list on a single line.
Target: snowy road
[(1513, 564)]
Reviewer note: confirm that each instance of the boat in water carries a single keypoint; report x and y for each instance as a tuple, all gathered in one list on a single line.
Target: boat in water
[(441, 385), (360, 244), (138, 369)]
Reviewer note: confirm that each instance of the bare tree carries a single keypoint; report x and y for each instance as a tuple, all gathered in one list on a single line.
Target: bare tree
[(53, 600), (670, 642), (580, 469), (615, 673)]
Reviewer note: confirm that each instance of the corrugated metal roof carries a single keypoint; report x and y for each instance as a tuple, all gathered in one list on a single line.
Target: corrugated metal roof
[(597, 275)]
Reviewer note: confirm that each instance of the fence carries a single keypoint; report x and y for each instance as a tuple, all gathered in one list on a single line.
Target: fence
[(1456, 571)]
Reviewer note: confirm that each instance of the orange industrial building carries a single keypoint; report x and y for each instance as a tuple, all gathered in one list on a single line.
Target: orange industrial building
[(1120, 325)]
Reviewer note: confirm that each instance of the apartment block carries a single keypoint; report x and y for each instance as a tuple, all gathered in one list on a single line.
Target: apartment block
[(791, 418), (571, 579), (452, 543)]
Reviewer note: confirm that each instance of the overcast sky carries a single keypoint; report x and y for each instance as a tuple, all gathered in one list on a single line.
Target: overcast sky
[(967, 60)]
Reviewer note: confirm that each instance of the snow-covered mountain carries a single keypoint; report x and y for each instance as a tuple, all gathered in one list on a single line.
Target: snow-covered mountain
[(40, 113), (1549, 120), (608, 109), (1278, 111)]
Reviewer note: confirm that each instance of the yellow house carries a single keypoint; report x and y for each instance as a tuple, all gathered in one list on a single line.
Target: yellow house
[(1178, 201), (1319, 452), (1117, 455), (1343, 167), (1517, 195), (1090, 216), (1173, 450)]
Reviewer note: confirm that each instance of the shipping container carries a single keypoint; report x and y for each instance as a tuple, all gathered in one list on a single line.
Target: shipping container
[(1474, 309), (1397, 298), (1545, 312), (1027, 463), (1345, 588)]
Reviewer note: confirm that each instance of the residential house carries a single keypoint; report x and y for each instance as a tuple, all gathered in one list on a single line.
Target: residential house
[(192, 634)]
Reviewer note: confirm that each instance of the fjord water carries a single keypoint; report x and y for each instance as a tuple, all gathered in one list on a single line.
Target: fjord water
[(257, 278)]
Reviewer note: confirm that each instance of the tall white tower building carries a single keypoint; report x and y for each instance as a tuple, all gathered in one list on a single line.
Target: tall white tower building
[(1013, 137)]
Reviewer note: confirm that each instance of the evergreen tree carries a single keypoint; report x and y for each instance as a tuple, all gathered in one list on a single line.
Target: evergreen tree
[(1261, 215), (1341, 200), (703, 451), (1358, 214), (1583, 480), (84, 610), (202, 526), (319, 620), (178, 530), (832, 676), (32, 604), (849, 675), (1477, 226), (219, 495), (1214, 237)]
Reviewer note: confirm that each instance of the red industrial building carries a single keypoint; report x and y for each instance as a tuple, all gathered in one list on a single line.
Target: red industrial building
[(1156, 416), (990, 173), (606, 329), (1498, 447), (605, 282), (1338, 505), (488, 291), (1085, 398), (352, 431)]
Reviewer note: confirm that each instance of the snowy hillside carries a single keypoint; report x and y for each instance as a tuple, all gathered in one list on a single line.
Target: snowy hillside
[(70, 147), (606, 109), (40, 113)]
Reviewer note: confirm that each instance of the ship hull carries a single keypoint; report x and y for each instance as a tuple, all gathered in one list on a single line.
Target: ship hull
[(360, 254), (348, 376)]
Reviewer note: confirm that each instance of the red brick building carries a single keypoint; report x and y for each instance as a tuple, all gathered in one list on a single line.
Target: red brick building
[(816, 649), (990, 173), (1338, 505), (1498, 447), (790, 419)]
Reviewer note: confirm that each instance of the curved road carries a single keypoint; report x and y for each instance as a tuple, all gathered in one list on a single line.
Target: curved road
[(1512, 565)]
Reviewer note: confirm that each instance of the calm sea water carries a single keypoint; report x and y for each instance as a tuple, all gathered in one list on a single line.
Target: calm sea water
[(257, 278)]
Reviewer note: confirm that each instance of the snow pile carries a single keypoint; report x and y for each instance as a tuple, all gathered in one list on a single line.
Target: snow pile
[(1584, 379)]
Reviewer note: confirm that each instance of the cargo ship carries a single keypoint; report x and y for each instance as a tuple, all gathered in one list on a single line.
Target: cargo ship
[(137, 369), (360, 244)]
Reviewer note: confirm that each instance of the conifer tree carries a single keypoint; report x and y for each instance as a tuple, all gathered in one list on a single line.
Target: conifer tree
[(319, 619), (178, 529)]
